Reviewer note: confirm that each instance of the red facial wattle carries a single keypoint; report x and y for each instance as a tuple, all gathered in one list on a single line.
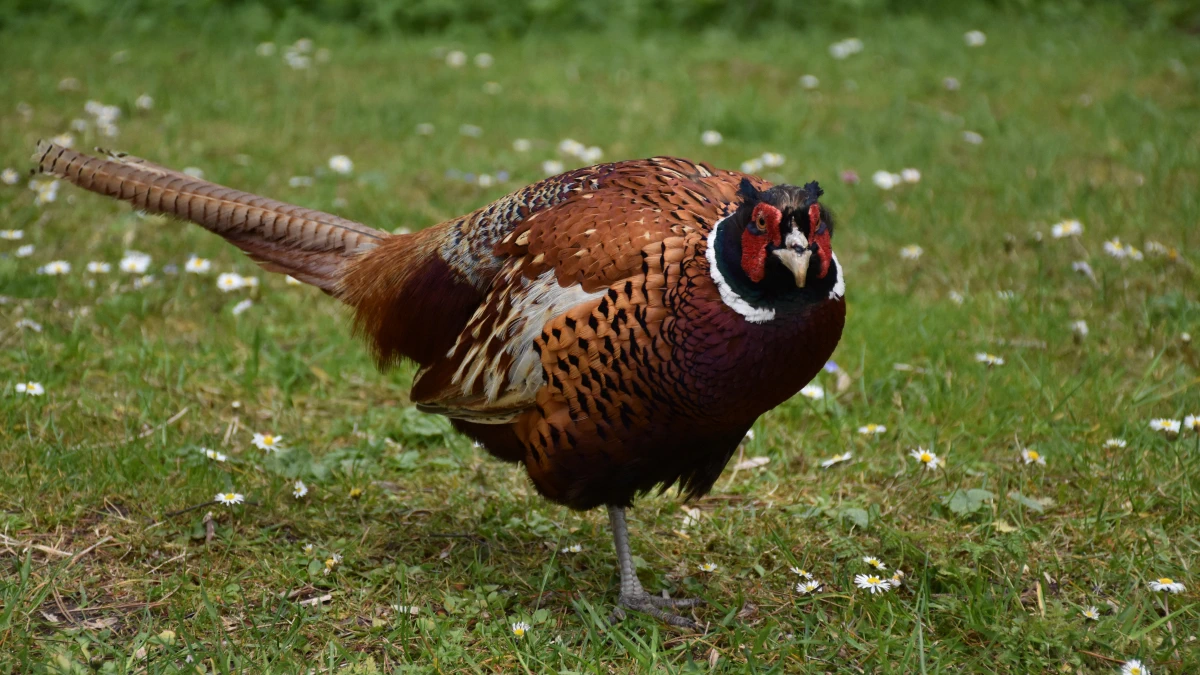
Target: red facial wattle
[(819, 235), (762, 229)]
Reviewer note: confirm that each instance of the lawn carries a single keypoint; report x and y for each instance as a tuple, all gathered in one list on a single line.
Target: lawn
[(439, 549)]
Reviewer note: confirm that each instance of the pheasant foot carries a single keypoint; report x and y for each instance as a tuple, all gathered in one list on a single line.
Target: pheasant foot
[(633, 596)]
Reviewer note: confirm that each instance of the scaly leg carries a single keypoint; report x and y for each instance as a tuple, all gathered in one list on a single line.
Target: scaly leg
[(633, 596)]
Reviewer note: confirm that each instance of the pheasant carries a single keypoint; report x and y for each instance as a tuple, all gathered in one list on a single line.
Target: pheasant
[(617, 328)]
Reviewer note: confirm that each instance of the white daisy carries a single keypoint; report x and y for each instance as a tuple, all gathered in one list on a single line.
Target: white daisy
[(230, 281), (1079, 328), (1066, 228), (30, 388), (1031, 456), (196, 265), (806, 587), (872, 429), (300, 181), (897, 578), (874, 562), (951, 83), (484, 60), (1192, 423), (873, 583), (957, 297), (772, 160), (974, 38), (292, 281), (213, 455), (1118, 250), (1134, 667), (230, 498), (591, 154), (425, 129), (28, 324), (265, 49), (308, 549), (242, 306), (55, 268), (836, 459), (571, 147), (299, 489), (929, 459), (551, 167), (911, 252), (885, 180), (1091, 613), (268, 442), (1165, 425), (1166, 585), (341, 164), (411, 610), (135, 262), (12, 235), (520, 628), (707, 567), (910, 175), (97, 267), (522, 145), (1115, 443), (801, 572), (711, 137), (573, 548), (470, 130), (456, 59), (809, 81), (813, 391), (24, 251), (989, 359), (9, 176), (144, 102), (972, 137), (143, 281)]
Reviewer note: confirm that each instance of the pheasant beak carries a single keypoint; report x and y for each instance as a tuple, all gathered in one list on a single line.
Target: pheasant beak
[(796, 256)]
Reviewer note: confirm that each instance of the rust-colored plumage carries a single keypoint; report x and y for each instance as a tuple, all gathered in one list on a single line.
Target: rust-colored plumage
[(616, 328)]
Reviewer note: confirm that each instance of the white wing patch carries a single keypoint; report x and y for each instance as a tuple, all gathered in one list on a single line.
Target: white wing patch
[(839, 286), (728, 295)]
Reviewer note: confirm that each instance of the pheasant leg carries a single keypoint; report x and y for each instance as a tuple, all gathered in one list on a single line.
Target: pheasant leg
[(633, 596)]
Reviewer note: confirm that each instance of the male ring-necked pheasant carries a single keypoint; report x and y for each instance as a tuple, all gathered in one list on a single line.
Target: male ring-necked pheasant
[(617, 328)]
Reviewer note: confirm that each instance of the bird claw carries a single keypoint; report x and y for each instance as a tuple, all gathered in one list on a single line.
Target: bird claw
[(653, 606)]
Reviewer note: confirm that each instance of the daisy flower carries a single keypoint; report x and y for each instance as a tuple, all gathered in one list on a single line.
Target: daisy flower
[(341, 164), (144, 102), (9, 176), (229, 498), (308, 549), (772, 160), (24, 251), (551, 167), (573, 548), (411, 610), (957, 298), (1031, 456), (872, 429), (213, 455), (910, 175), (97, 267), (28, 323), (1115, 443), (989, 359), (242, 306), (1166, 585), (972, 137), (230, 281), (801, 572), (197, 265), (911, 252), (292, 281), (134, 262), (1134, 667), (874, 562), (484, 60), (12, 235), (813, 391), (1091, 613), (299, 489), (456, 59), (897, 578), (520, 628), (268, 442), (425, 129), (872, 583), (1192, 423), (711, 137), (929, 459), (331, 562), (836, 459), (806, 587), (809, 81), (975, 38), (1079, 328), (47, 191), (951, 83), (1066, 228), (885, 180), (30, 388), (707, 567), (55, 268), (1165, 425)]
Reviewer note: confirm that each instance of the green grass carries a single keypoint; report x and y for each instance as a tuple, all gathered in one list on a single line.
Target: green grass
[(1087, 121)]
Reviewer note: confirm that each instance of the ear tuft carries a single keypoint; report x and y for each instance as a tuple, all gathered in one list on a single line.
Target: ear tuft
[(814, 192), (747, 190)]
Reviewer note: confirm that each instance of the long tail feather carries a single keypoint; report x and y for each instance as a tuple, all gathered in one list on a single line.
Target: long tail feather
[(309, 245)]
